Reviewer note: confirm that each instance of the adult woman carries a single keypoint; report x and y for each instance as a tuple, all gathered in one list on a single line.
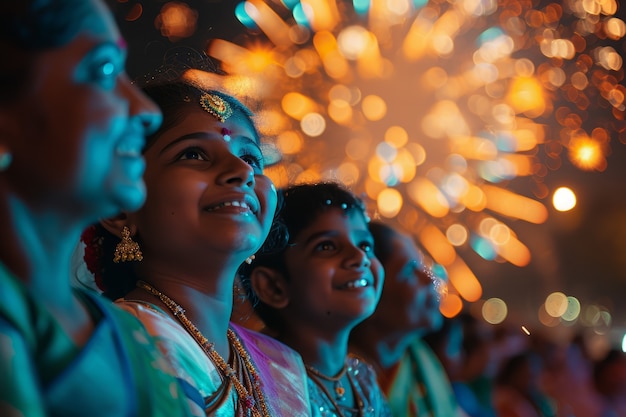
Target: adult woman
[(315, 289), (71, 130), (209, 208)]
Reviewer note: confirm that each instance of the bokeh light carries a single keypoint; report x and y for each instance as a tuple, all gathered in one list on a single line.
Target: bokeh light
[(564, 199), (556, 304), (494, 311)]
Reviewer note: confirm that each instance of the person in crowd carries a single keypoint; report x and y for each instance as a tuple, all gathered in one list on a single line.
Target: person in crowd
[(517, 390), (71, 131), (312, 282), (567, 375), (408, 371), (174, 261), (464, 346), (609, 375)]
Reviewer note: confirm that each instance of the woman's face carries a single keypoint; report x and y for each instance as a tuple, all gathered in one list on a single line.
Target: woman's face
[(409, 301), (206, 195), (334, 277), (80, 126)]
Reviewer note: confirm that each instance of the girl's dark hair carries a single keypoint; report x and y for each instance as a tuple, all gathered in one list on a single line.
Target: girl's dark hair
[(299, 206), (30, 26), (174, 98), (117, 279)]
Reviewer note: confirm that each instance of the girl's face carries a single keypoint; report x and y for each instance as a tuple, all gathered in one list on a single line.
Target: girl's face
[(205, 194), (78, 129), (334, 276), (410, 300)]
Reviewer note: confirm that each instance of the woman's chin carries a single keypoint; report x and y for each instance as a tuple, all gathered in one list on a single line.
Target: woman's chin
[(130, 197)]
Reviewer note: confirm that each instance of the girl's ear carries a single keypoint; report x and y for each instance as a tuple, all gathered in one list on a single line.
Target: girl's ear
[(270, 286), (114, 225)]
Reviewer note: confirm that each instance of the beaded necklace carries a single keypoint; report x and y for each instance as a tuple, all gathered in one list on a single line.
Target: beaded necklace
[(316, 376), (250, 395)]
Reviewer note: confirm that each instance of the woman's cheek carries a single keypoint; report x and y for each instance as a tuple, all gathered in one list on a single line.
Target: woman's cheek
[(266, 192)]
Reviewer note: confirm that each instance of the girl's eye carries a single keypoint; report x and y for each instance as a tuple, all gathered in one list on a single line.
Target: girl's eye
[(325, 246), (192, 154), (253, 156), (253, 160)]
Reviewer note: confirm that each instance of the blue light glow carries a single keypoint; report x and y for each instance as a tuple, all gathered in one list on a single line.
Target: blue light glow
[(483, 248), (244, 17), (300, 16), (361, 6)]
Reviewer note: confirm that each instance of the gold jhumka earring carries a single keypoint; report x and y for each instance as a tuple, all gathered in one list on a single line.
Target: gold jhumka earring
[(127, 250)]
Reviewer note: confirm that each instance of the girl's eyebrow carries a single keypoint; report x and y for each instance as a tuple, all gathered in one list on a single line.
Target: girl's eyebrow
[(193, 135), (322, 233), (204, 135)]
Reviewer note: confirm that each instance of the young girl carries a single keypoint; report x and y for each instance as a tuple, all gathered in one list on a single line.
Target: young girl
[(71, 131), (411, 376), (314, 289), (209, 207)]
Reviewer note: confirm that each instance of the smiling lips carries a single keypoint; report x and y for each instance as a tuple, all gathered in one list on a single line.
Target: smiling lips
[(358, 283), (130, 148), (242, 205)]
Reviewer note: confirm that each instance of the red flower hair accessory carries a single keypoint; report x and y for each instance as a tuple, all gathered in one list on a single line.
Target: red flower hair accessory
[(93, 253)]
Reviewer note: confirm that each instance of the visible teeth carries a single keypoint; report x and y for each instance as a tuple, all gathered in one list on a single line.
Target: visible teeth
[(230, 203), (129, 152), (357, 284), (129, 148)]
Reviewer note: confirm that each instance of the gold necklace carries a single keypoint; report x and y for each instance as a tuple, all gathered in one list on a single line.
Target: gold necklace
[(316, 376), (339, 389), (246, 396)]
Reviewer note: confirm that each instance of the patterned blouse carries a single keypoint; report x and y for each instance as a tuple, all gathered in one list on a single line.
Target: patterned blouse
[(364, 378), (279, 367), (118, 372)]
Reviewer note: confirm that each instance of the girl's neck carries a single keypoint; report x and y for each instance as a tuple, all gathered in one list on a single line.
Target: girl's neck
[(206, 305), (327, 355)]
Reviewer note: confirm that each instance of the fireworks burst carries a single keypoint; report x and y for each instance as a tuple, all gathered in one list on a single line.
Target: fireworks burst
[(431, 109)]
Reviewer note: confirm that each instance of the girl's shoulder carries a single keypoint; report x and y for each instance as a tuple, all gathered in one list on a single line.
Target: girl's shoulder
[(281, 371)]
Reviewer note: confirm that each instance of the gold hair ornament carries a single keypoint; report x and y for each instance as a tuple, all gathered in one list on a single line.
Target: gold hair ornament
[(216, 106)]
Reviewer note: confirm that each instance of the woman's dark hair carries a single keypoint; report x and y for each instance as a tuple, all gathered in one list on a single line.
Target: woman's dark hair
[(30, 26), (118, 279), (299, 206), (383, 235)]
